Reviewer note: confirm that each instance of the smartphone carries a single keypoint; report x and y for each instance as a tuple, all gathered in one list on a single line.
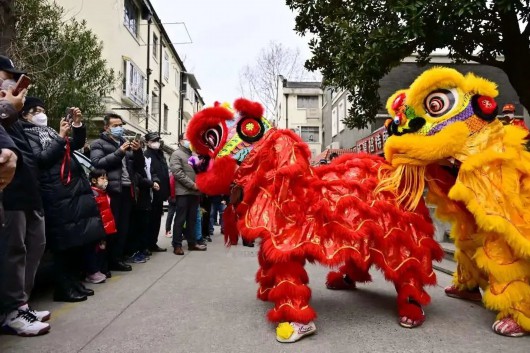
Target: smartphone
[(69, 115), (138, 137), (23, 83)]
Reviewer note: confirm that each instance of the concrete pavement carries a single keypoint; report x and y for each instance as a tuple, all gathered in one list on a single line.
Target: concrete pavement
[(205, 302)]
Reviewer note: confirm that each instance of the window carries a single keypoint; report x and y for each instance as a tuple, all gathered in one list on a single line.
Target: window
[(334, 122), (155, 46), (133, 83), (184, 87), (310, 133), (131, 17), (341, 116), (306, 102), (190, 94), (166, 66), (166, 114), (154, 105)]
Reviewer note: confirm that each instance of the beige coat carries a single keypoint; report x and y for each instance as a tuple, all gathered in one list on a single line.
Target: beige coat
[(183, 172)]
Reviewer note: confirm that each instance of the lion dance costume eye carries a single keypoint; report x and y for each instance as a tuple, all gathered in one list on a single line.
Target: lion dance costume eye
[(446, 138)]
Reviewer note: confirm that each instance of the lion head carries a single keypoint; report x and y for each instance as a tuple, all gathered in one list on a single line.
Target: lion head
[(223, 137), (442, 118)]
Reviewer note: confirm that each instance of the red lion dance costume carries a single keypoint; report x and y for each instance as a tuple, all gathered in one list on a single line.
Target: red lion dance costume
[(328, 214), (446, 138)]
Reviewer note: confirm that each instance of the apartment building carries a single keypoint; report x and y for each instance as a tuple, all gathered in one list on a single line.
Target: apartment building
[(155, 92), (299, 108)]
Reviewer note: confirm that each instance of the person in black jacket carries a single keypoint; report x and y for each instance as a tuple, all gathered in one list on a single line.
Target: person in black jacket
[(72, 217), (159, 167), (22, 238), (146, 184), (121, 159)]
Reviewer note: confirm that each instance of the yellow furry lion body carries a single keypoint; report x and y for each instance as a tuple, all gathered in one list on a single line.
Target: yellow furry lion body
[(477, 172)]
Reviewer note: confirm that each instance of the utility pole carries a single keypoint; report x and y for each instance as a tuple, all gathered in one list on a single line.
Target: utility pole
[(149, 21), (160, 86)]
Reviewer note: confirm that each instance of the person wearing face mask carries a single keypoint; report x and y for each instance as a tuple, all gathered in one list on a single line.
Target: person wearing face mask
[(187, 198), (160, 171), (22, 235), (122, 160), (72, 217), (96, 255)]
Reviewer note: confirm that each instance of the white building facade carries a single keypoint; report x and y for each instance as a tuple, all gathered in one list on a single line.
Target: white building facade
[(154, 92), (299, 108)]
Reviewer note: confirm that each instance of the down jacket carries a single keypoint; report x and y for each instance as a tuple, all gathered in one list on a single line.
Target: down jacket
[(103, 202), (105, 153), (71, 214)]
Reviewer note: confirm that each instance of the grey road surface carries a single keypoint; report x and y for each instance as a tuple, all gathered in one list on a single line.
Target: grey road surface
[(205, 302)]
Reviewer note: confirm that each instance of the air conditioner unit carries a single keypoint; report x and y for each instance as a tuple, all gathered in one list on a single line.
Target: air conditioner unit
[(312, 113)]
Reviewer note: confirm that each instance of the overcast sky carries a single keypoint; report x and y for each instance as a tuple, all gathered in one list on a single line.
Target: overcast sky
[(226, 35)]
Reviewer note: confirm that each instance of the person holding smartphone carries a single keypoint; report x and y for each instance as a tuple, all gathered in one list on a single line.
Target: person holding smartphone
[(72, 217), (122, 160), (22, 237)]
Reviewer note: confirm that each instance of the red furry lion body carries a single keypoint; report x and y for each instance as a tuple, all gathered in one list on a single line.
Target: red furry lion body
[(328, 214)]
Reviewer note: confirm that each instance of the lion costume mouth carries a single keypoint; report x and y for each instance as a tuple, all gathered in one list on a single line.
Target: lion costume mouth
[(217, 177), (411, 154)]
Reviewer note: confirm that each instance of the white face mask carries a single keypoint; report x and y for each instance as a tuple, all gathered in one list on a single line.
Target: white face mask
[(103, 185), (154, 145), (40, 119)]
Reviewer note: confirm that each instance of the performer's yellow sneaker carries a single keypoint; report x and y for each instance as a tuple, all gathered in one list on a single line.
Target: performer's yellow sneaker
[(288, 332)]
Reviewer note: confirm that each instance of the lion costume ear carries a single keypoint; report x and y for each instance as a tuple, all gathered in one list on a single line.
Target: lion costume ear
[(248, 108), (250, 127)]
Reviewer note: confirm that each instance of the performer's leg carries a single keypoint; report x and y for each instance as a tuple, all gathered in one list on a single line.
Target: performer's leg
[(347, 276), (263, 277), (290, 295), (468, 278), (411, 297), (508, 291)]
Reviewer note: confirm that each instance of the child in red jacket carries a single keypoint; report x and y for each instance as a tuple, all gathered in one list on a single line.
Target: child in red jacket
[(96, 262)]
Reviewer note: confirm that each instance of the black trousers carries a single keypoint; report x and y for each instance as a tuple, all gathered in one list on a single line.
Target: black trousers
[(155, 219), (68, 265), (121, 205), (206, 205), (187, 207), (138, 239), (170, 214)]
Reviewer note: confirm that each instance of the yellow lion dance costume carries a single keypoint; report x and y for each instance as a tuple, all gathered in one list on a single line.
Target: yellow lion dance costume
[(445, 137)]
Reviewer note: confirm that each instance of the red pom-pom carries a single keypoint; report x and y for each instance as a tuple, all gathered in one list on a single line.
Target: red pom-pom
[(249, 108), (487, 104)]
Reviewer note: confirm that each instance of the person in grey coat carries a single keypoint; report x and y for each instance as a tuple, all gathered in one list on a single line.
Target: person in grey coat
[(187, 198)]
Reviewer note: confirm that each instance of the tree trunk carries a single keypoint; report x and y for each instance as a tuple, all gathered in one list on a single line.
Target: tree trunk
[(7, 25), (516, 55)]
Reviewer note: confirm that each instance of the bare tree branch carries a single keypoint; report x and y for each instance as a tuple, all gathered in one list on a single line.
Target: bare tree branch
[(260, 81)]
